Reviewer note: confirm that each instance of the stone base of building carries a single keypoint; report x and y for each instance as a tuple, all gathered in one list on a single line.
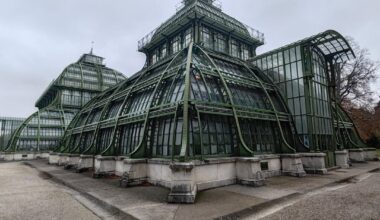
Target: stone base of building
[(185, 179), (62, 159), (42, 156), (132, 171), (370, 154), (85, 162), (356, 155), (314, 163), (104, 165), (249, 172), (72, 161), (22, 156), (270, 165), (342, 159), (292, 165), (53, 158)]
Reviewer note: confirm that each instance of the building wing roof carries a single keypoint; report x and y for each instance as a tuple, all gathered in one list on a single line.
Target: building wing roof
[(330, 43)]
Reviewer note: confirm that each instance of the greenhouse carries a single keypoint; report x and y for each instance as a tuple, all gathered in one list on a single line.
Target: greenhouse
[(206, 111), (76, 85)]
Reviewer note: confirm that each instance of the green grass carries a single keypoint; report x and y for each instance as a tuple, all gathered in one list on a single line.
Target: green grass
[(378, 152)]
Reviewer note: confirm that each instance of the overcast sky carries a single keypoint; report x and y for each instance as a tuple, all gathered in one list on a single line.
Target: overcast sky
[(39, 38)]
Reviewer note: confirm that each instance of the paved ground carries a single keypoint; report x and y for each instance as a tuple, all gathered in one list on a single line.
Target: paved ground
[(281, 198), (357, 199), (24, 194)]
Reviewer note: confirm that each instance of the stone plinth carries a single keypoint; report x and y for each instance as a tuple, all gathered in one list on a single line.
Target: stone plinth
[(356, 155), (53, 158), (183, 188), (72, 161), (42, 156), (159, 172), (274, 165), (119, 166), (314, 163), (85, 162), (370, 154), (342, 159), (215, 172), (292, 165), (8, 156), (248, 172), (62, 159), (104, 165), (133, 171)]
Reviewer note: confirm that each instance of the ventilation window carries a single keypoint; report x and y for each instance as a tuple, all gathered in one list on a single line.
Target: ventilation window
[(264, 166)]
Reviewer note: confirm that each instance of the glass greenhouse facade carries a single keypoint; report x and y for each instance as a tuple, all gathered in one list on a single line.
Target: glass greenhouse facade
[(196, 104), (305, 74), (7, 127), (197, 97), (205, 93), (76, 85)]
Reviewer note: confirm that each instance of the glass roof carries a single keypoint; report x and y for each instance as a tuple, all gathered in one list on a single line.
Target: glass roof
[(213, 85), (330, 43), (88, 74), (208, 12)]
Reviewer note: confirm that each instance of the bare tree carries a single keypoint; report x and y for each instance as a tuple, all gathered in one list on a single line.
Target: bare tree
[(356, 78)]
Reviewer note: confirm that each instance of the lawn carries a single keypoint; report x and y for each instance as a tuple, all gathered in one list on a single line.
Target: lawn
[(378, 152)]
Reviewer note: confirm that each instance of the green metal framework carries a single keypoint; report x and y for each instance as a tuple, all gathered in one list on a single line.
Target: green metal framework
[(197, 104), (305, 72), (347, 134), (7, 127), (64, 97)]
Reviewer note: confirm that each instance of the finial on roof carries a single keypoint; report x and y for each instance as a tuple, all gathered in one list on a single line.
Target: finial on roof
[(92, 47)]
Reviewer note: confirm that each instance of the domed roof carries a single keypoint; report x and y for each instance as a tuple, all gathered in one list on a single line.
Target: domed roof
[(89, 74), (75, 86), (172, 101)]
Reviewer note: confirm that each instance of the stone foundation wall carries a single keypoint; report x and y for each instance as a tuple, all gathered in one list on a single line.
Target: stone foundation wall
[(53, 158), (85, 162), (342, 159), (370, 154), (314, 163), (356, 155), (23, 156)]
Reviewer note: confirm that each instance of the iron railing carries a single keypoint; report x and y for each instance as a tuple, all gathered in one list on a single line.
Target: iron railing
[(255, 34)]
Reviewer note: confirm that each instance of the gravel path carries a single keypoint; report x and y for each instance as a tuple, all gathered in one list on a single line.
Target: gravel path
[(25, 194)]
